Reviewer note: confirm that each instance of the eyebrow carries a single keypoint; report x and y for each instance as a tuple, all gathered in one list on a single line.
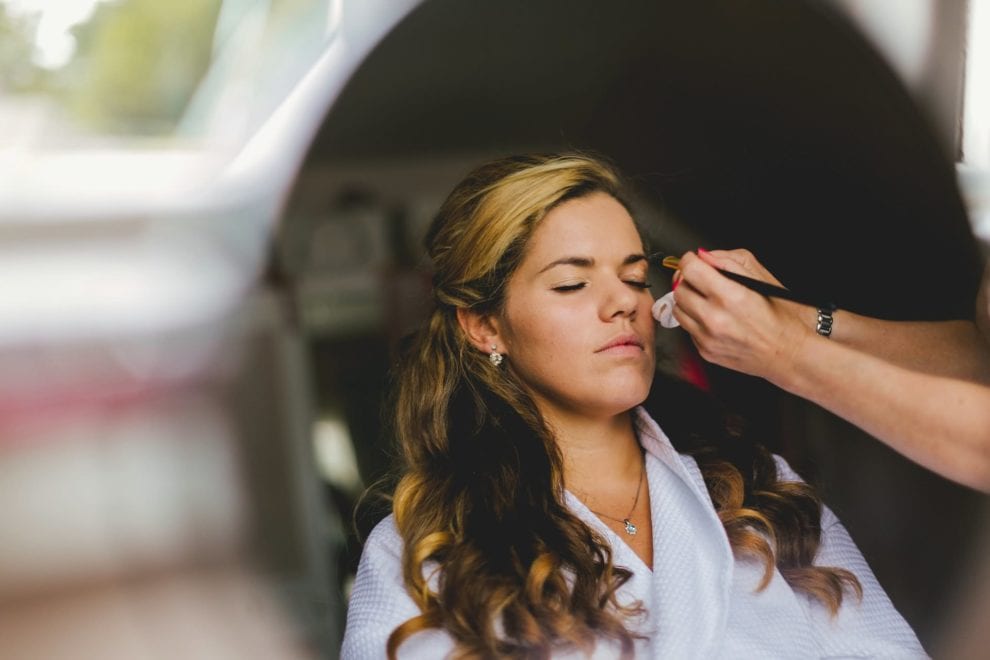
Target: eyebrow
[(588, 262)]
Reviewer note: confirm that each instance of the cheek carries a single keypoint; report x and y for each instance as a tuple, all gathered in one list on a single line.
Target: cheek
[(647, 326), (545, 342), (541, 336)]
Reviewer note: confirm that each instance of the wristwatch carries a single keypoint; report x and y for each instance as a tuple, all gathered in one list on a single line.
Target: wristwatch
[(825, 320)]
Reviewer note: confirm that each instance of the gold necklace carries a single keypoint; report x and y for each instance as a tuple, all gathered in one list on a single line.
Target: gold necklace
[(627, 521)]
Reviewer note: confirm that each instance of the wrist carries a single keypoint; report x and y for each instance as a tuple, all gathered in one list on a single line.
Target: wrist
[(814, 319), (824, 321), (798, 366), (797, 330)]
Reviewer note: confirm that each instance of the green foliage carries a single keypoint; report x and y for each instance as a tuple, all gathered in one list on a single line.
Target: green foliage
[(138, 62), (17, 71)]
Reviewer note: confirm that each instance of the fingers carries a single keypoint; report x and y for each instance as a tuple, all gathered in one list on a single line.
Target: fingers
[(689, 314), (692, 269), (739, 261), (690, 304), (691, 324), (707, 281), (701, 290), (710, 328), (730, 324), (695, 334), (730, 260)]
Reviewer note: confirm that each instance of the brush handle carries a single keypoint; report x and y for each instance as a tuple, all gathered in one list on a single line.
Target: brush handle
[(773, 291), (763, 288)]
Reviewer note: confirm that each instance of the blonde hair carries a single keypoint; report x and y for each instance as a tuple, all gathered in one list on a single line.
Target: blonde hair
[(491, 552)]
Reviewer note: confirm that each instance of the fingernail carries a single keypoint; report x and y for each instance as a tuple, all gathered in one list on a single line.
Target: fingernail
[(677, 281), (702, 251)]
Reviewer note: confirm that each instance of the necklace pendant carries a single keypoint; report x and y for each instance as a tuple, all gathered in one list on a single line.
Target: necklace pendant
[(630, 528)]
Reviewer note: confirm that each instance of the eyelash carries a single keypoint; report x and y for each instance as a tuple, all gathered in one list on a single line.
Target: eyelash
[(566, 288)]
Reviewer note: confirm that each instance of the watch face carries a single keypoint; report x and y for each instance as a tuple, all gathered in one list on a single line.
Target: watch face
[(824, 326)]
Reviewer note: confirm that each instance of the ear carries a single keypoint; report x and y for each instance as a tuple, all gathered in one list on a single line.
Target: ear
[(482, 330)]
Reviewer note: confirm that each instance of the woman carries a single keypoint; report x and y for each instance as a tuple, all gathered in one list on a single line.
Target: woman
[(920, 387), (540, 511)]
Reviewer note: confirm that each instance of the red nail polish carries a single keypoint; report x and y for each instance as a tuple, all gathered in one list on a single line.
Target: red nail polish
[(702, 251), (677, 281)]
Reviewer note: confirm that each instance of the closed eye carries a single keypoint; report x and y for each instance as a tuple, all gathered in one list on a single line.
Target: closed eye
[(564, 288)]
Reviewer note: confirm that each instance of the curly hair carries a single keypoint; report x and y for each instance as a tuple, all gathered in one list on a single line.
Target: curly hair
[(491, 553)]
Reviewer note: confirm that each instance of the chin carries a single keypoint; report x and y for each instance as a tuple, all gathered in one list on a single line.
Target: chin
[(625, 395)]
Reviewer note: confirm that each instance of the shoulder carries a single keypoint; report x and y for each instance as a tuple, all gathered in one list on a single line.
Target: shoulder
[(786, 473), (784, 470), (381, 557), (384, 538), (378, 601), (379, 575)]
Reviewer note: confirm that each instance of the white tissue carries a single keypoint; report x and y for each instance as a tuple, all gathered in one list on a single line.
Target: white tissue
[(663, 311)]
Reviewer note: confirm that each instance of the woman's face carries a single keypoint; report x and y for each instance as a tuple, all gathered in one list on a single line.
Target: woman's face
[(576, 324)]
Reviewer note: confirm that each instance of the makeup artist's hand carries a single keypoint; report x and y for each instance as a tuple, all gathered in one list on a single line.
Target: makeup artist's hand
[(922, 387), (733, 326)]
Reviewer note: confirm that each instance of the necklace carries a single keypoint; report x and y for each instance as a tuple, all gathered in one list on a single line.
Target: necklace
[(627, 521)]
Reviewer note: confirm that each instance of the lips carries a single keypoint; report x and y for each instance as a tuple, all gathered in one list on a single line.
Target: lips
[(627, 339)]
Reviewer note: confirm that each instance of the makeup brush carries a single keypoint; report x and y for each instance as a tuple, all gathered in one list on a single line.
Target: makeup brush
[(763, 288)]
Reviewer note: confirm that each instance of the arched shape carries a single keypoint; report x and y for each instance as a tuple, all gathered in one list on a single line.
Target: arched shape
[(769, 124)]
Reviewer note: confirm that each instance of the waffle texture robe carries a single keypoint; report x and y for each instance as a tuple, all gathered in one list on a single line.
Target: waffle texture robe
[(700, 600)]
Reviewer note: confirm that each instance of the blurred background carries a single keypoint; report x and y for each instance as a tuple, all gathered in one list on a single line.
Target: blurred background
[(210, 225)]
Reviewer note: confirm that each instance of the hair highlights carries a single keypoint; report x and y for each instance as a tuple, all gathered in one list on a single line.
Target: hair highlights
[(491, 553)]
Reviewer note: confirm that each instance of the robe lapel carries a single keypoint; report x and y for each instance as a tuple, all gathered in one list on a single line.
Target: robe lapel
[(692, 559)]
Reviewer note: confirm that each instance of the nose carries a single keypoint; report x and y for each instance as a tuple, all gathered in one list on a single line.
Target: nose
[(619, 300)]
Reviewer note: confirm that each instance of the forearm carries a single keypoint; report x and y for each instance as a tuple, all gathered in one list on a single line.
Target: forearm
[(945, 348), (941, 423), (921, 387)]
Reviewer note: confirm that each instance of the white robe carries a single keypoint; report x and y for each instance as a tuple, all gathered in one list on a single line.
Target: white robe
[(700, 600)]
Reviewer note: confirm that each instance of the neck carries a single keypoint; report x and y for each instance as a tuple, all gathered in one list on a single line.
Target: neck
[(597, 452)]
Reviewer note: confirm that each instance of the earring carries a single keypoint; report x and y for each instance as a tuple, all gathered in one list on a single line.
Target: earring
[(495, 357)]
